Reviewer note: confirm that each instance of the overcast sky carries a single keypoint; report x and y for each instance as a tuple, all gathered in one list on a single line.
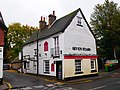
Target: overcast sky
[(29, 11)]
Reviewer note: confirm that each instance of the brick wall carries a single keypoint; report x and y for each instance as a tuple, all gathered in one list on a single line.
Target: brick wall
[(1, 37)]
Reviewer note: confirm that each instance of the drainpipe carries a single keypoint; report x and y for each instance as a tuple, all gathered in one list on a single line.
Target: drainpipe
[(22, 59), (37, 56)]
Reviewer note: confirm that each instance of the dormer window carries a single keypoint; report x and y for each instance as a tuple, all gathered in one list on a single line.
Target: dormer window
[(79, 21)]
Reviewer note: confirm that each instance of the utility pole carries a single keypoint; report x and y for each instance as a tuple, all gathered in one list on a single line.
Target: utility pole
[(114, 54)]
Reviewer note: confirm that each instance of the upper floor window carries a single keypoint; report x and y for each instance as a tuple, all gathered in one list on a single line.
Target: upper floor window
[(56, 45), (35, 51), (46, 46), (56, 41), (79, 21)]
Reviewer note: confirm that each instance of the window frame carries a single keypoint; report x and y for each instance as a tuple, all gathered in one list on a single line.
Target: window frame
[(93, 65), (79, 21), (45, 67), (56, 46), (93, 69), (45, 46), (78, 66), (35, 51), (27, 65)]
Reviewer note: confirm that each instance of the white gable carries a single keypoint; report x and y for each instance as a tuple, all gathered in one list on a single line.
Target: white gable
[(29, 49), (78, 39)]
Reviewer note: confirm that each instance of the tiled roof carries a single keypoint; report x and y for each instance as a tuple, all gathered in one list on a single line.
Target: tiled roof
[(58, 26)]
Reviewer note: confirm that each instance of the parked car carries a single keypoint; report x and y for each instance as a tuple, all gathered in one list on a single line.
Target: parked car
[(6, 66)]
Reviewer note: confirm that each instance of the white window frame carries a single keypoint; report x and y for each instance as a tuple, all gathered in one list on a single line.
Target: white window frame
[(78, 66), (93, 64), (79, 21), (34, 64), (46, 68), (56, 45), (27, 65)]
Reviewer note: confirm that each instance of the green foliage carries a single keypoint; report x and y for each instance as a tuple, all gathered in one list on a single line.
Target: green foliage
[(16, 37), (105, 22)]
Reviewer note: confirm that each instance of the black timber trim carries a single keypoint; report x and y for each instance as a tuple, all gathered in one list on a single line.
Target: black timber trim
[(79, 72), (93, 71)]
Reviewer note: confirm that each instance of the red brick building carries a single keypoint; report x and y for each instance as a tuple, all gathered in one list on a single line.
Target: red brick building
[(3, 31)]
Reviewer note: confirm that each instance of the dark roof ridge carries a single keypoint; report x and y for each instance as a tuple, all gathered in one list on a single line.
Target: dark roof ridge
[(2, 24)]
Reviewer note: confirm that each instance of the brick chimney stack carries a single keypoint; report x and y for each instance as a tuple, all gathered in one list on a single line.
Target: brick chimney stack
[(42, 23), (52, 18)]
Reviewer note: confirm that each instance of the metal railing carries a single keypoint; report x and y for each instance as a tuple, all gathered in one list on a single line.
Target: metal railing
[(55, 51)]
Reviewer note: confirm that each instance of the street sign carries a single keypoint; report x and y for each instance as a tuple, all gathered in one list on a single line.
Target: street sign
[(112, 61)]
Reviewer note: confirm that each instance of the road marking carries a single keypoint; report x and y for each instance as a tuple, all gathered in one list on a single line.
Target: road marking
[(97, 88), (87, 80), (118, 82), (9, 85), (49, 85), (40, 86), (26, 88)]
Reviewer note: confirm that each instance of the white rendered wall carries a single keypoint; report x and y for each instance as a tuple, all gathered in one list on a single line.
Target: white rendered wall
[(46, 55), (77, 36), (29, 50)]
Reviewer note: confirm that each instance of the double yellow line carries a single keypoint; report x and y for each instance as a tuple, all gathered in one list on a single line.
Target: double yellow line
[(9, 85)]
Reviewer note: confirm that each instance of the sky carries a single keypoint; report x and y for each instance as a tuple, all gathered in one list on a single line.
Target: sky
[(30, 11)]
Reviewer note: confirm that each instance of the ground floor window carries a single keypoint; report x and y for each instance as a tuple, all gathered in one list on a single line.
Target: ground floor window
[(78, 67), (46, 66), (92, 64), (28, 65), (34, 63)]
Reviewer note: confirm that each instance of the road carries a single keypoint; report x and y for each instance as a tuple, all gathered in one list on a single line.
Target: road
[(20, 81), (112, 83)]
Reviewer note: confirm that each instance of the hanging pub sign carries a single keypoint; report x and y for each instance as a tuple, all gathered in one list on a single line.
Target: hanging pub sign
[(1, 52), (81, 49)]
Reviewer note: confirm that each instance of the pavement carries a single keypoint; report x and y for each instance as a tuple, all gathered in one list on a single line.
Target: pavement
[(102, 74), (5, 86)]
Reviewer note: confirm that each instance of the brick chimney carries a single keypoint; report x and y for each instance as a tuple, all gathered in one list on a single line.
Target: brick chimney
[(52, 18), (42, 23)]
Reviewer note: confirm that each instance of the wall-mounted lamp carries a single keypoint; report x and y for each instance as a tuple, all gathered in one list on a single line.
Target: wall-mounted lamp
[(45, 54)]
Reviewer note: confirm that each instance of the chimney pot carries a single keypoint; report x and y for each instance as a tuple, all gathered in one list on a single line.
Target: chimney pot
[(42, 23), (41, 18), (53, 13), (52, 18), (44, 19)]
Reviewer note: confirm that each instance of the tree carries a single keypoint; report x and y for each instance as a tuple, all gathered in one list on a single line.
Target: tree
[(105, 22), (16, 37)]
